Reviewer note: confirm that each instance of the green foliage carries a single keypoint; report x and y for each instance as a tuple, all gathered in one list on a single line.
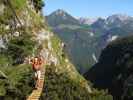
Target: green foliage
[(38, 4), (59, 86), (19, 83)]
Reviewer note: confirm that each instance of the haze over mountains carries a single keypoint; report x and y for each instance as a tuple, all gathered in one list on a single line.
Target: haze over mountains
[(86, 38)]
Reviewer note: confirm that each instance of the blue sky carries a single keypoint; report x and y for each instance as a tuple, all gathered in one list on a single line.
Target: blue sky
[(90, 8)]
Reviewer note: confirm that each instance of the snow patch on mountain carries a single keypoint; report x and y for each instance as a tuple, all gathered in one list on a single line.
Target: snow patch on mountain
[(94, 57), (91, 34), (112, 38)]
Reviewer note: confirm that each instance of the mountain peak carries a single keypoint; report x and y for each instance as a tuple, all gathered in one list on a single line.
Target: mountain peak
[(60, 12), (61, 17)]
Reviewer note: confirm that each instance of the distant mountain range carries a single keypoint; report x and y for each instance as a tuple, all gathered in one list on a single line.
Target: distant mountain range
[(86, 38), (87, 21)]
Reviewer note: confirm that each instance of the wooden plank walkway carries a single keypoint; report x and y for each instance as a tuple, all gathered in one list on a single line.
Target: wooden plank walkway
[(36, 93)]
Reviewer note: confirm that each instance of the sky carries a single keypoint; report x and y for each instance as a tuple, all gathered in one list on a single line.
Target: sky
[(90, 8)]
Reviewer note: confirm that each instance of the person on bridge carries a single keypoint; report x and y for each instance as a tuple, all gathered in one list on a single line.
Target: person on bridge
[(37, 63)]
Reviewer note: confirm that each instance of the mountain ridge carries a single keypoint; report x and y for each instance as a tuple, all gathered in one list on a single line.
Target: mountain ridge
[(89, 40), (91, 20)]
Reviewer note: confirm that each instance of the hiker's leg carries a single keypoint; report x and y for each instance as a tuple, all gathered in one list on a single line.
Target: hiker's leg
[(38, 78), (35, 79), (36, 86)]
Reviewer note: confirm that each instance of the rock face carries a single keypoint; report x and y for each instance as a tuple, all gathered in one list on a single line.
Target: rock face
[(114, 69)]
